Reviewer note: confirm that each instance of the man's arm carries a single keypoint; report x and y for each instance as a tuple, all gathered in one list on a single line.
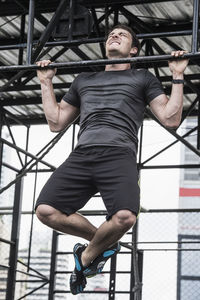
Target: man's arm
[(58, 115), (169, 110)]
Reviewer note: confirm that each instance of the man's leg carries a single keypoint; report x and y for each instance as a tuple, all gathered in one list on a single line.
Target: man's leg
[(100, 239), (74, 224), (108, 234)]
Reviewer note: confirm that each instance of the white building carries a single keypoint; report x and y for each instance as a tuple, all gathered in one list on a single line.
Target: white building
[(188, 279)]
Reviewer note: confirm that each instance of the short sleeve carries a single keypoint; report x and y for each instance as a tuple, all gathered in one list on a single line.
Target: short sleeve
[(72, 96), (153, 87)]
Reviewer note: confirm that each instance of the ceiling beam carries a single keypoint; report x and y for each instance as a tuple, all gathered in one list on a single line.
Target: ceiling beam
[(11, 8)]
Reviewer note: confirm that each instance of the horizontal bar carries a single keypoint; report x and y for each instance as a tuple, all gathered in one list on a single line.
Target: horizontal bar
[(168, 249), (187, 277), (3, 266), (169, 242), (191, 166), (103, 272), (103, 212), (173, 210), (7, 241), (6, 208), (10, 167), (99, 62), (91, 292), (77, 42), (32, 281)]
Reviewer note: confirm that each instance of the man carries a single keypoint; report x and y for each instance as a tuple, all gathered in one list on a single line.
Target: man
[(111, 105)]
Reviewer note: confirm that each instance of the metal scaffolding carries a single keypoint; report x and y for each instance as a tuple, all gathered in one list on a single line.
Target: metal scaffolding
[(17, 78)]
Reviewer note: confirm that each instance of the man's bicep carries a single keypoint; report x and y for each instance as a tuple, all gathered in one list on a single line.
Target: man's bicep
[(157, 106), (68, 113)]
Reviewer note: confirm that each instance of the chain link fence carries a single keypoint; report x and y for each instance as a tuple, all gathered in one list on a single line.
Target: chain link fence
[(170, 242)]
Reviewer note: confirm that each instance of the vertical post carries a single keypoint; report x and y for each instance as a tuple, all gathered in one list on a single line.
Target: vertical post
[(1, 143), (112, 277), (21, 50), (140, 146), (30, 31), (195, 26), (53, 265), (73, 136), (27, 143), (106, 20), (71, 19), (135, 284), (140, 270), (22, 33), (10, 292), (198, 129)]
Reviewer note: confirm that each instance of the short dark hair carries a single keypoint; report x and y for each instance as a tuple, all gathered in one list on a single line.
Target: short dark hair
[(135, 41)]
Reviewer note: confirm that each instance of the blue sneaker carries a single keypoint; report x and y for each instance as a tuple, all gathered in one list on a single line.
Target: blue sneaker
[(77, 278), (97, 265)]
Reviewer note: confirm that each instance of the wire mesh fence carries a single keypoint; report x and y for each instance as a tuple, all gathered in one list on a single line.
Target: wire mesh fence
[(170, 242)]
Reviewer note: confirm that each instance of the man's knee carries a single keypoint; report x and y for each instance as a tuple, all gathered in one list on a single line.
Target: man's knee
[(125, 219), (45, 212)]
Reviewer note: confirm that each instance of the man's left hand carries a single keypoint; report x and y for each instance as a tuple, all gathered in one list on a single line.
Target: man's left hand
[(178, 66)]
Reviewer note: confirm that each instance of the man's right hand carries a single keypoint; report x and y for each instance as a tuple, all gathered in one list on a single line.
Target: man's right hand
[(46, 73)]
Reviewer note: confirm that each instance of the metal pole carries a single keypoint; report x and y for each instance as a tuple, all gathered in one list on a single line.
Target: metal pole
[(167, 147), (30, 31), (48, 31), (10, 292), (53, 265), (112, 277), (43, 39), (67, 43), (198, 127), (173, 132), (101, 62), (135, 292), (1, 144), (195, 26), (33, 157), (73, 136), (21, 50), (71, 20)]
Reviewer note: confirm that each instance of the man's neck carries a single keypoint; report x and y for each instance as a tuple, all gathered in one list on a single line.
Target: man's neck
[(117, 67)]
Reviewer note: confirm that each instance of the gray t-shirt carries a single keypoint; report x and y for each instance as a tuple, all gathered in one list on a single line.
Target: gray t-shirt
[(112, 105)]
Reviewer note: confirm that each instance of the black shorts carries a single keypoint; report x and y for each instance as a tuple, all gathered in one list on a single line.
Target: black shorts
[(112, 171)]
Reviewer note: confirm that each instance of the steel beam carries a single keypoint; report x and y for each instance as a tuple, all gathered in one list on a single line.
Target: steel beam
[(176, 135), (198, 130), (166, 148), (112, 283), (10, 292), (100, 62), (22, 35), (30, 31), (4, 45), (43, 39), (34, 157), (195, 26), (52, 279), (1, 144), (28, 167), (10, 8)]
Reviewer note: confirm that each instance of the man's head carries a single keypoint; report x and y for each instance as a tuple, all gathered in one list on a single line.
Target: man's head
[(121, 41)]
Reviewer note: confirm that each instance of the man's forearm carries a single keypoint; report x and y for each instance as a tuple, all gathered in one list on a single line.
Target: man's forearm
[(175, 104), (50, 105)]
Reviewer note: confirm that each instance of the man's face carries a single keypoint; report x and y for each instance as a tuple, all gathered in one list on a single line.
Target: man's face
[(119, 44)]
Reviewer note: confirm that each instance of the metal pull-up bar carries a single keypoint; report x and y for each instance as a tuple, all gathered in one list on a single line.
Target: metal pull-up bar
[(100, 62)]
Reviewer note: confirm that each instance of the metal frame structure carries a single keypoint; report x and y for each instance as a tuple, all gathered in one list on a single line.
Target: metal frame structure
[(18, 77)]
